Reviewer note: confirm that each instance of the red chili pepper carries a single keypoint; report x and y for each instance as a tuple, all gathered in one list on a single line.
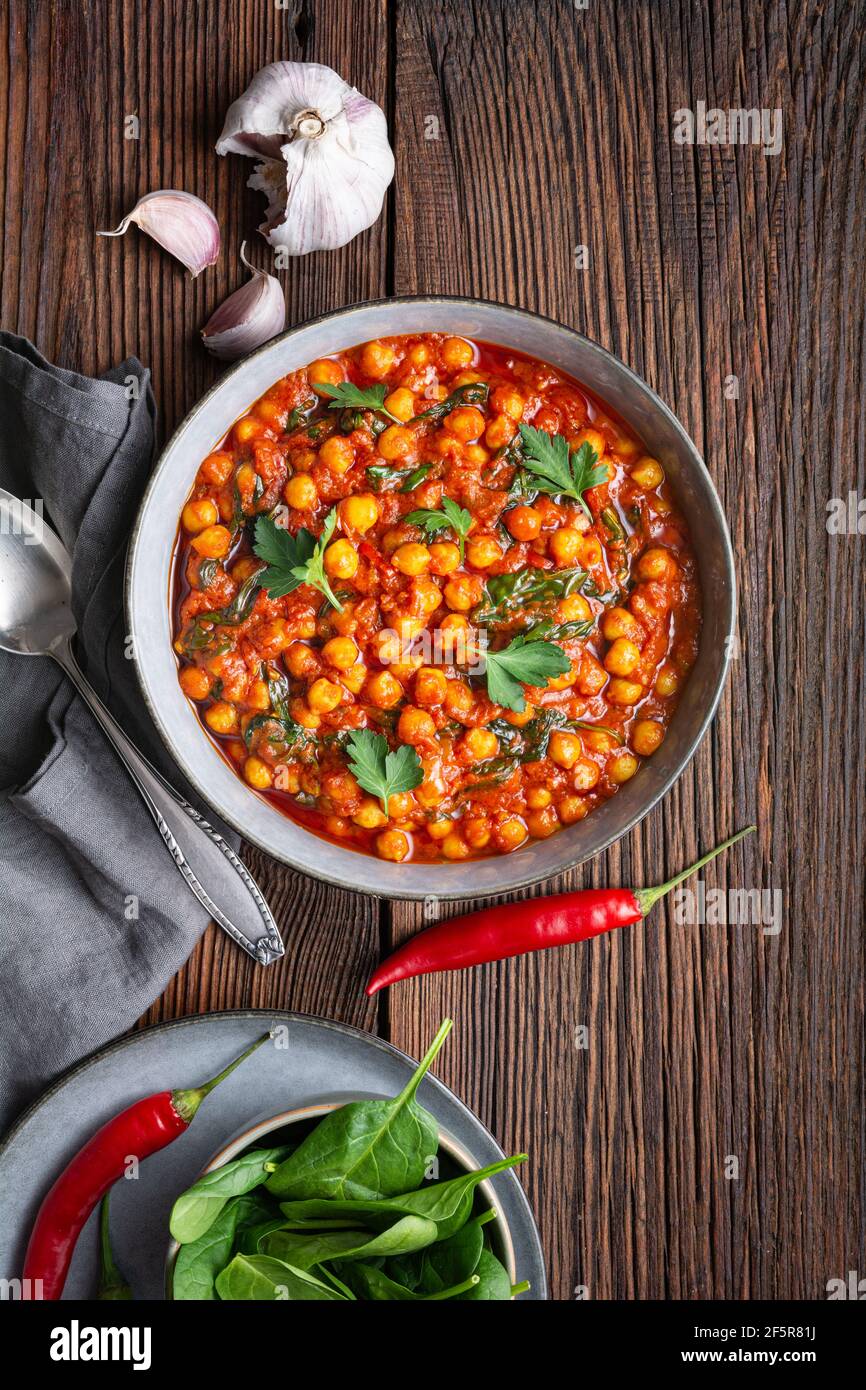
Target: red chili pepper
[(144, 1128), (532, 925)]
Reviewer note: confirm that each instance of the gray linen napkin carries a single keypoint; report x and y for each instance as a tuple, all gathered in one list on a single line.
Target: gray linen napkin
[(94, 918)]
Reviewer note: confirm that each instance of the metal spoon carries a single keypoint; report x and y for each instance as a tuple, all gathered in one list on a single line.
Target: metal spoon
[(36, 620)]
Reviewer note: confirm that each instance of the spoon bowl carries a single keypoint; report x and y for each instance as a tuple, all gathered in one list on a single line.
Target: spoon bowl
[(35, 583)]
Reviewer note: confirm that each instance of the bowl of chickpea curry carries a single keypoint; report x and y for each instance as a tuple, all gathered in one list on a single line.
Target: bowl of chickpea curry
[(427, 584)]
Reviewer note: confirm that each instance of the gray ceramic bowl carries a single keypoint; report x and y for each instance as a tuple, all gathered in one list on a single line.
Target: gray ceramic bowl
[(500, 1234), (149, 569)]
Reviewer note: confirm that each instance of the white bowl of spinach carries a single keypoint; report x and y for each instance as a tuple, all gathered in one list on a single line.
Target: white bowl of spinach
[(364, 1201)]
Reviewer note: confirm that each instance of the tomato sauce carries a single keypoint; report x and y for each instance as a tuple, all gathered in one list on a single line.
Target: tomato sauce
[(602, 568)]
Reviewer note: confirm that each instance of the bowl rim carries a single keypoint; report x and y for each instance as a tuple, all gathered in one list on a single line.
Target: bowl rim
[(406, 890), (258, 1129)]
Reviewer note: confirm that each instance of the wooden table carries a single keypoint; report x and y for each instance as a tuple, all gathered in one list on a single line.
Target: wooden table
[(733, 281)]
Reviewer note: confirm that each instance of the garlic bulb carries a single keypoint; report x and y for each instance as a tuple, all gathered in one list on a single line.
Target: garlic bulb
[(181, 223), (325, 157), (249, 317)]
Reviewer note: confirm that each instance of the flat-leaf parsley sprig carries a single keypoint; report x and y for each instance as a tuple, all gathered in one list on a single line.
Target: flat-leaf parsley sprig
[(294, 560), (382, 773), (449, 515), (346, 395), (559, 471), (527, 660)]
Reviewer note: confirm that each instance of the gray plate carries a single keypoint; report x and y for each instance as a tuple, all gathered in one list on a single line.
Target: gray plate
[(324, 1062)]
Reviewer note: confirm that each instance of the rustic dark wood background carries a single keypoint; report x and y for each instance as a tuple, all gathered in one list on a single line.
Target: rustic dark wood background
[(555, 130)]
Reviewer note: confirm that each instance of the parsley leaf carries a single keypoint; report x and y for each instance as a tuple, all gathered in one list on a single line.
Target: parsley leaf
[(450, 514), (294, 560), (527, 659), (557, 470), (379, 772), (347, 395)]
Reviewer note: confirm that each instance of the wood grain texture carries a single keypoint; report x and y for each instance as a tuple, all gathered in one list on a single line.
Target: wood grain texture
[(522, 131)]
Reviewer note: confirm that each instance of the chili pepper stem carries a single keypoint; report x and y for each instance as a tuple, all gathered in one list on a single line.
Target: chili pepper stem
[(186, 1103), (647, 897), (426, 1061)]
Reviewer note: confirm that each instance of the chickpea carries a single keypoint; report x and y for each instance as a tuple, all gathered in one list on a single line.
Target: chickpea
[(564, 749), (336, 825), (482, 552), (401, 404), (455, 847), (303, 715), (301, 492), (584, 775), (540, 824), (248, 429), (216, 469), (590, 552), (222, 717), (622, 767), (273, 637), (340, 652), (573, 609), (326, 371), (237, 750), (338, 453), (370, 815), (392, 844), (309, 780), (538, 797), (646, 736), (507, 400), (258, 774), (303, 460), (427, 595), (519, 718), (383, 690), (430, 686), (354, 679), (510, 835), (621, 691), (411, 558), (618, 622), (500, 431), (655, 563), (419, 355), (213, 543), (288, 779), (479, 744), (476, 453), (648, 473), (301, 660), (454, 630), (273, 414), (430, 793), (667, 680), (377, 360), (477, 832), (597, 741), (459, 700), (463, 592), (622, 657), (396, 442), (341, 787), (444, 557), (571, 809), (564, 681), (524, 523), (456, 353), (438, 829), (415, 725), (341, 560), (566, 545), (592, 677), (258, 696), (591, 437), (197, 515), (465, 423), (360, 512), (195, 682), (324, 696)]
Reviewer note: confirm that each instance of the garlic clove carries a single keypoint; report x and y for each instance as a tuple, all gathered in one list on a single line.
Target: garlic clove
[(180, 223), (325, 158), (249, 317)]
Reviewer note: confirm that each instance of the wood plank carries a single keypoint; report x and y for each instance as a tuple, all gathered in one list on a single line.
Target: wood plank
[(556, 130)]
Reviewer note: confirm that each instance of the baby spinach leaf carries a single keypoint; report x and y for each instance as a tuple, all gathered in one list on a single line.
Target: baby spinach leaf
[(376, 1286), (507, 595), (302, 1251), (199, 1262), (196, 1209), (259, 1278), (472, 393), (493, 1284), (367, 1149), (454, 1260)]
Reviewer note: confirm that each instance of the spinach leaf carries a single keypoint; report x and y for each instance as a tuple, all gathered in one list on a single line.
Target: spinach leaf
[(380, 475), (198, 1263), (258, 1278), (454, 1260), (449, 1203), (506, 595), (473, 393), (302, 1251), (367, 1149), (302, 414), (196, 1209), (376, 1286), (493, 1284)]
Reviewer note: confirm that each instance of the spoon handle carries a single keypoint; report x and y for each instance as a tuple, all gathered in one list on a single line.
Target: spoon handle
[(198, 851)]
